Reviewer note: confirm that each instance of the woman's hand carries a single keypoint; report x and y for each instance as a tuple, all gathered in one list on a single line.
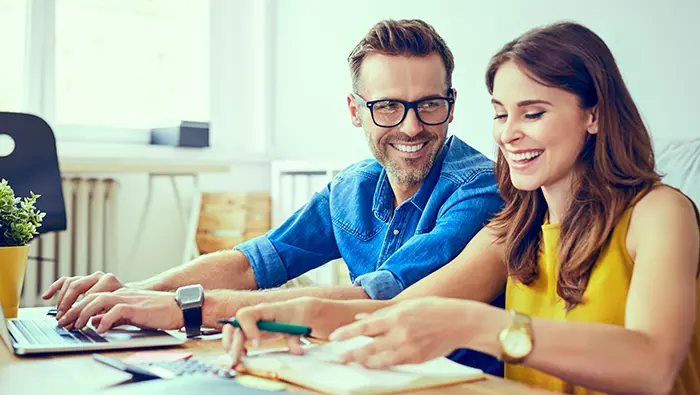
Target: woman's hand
[(412, 331), (313, 312)]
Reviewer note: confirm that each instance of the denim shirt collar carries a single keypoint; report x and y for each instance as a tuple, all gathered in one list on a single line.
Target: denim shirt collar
[(383, 203)]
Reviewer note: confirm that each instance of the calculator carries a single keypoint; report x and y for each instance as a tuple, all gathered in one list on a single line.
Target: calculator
[(167, 369)]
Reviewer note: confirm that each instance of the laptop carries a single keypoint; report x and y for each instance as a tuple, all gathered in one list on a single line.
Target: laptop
[(44, 336)]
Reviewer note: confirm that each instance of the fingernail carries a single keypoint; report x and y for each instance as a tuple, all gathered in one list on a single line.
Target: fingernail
[(343, 358), (256, 343), (372, 363), (59, 315), (361, 316), (334, 336)]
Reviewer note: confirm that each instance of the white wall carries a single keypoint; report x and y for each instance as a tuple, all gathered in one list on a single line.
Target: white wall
[(240, 130), (654, 42), (280, 77)]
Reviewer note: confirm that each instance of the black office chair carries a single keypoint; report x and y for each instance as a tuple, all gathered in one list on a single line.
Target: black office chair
[(33, 165)]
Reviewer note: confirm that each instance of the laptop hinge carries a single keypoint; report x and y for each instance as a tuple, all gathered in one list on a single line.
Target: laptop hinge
[(15, 334)]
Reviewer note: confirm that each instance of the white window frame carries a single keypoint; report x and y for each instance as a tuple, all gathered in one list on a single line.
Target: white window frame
[(40, 81), (250, 18)]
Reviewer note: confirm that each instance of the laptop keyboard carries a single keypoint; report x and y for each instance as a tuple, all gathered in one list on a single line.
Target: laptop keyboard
[(46, 332)]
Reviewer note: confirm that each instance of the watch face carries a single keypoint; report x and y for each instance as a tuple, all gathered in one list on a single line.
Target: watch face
[(516, 343), (189, 294)]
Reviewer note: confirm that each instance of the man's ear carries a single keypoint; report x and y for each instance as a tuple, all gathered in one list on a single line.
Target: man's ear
[(592, 124), (452, 111), (354, 111)]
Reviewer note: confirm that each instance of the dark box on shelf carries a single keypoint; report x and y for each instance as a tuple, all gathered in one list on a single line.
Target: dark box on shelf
[(188, 134)]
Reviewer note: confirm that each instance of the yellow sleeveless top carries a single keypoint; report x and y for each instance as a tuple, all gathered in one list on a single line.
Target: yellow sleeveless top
[(605, 297)]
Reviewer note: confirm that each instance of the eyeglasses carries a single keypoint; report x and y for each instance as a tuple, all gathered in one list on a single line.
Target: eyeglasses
[(387, 113)]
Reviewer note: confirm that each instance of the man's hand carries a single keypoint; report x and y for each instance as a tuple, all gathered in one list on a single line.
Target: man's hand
[(69, 289), (144, 309)]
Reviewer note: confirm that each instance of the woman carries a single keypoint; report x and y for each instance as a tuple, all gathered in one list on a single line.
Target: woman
[(599, 259)]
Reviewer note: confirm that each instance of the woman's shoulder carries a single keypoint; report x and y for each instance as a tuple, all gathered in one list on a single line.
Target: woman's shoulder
[(663, 210), (664, 200)]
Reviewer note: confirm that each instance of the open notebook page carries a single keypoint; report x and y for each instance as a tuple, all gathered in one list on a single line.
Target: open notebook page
[(317, 370)]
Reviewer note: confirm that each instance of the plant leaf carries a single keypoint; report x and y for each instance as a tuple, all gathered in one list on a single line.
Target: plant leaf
[(19, 217)]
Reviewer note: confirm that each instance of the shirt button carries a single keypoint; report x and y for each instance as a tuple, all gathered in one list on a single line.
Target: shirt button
[(396, 231)]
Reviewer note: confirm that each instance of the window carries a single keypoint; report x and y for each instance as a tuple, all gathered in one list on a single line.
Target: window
[(12, 43), (131, 63)]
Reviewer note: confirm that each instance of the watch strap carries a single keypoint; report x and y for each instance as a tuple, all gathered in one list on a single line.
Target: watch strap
[(193, 321)]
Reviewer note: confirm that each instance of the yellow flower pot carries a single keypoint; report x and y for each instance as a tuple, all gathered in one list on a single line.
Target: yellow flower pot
[(13, 262)]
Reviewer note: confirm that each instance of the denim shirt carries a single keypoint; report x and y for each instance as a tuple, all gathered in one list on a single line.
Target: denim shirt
[(385, 249)]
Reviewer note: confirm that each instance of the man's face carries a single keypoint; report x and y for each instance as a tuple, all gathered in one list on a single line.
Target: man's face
[(408, 150)]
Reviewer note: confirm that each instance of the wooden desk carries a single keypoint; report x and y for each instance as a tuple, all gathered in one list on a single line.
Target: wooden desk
[(72, 374)]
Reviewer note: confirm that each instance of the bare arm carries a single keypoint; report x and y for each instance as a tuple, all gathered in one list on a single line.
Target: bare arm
[(645, 355), (223, 304), (224, 269), (219, 270), (323, 309), (478, 273), (154, 309)]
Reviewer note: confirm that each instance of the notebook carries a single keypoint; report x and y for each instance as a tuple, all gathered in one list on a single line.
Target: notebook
[(317, 371)]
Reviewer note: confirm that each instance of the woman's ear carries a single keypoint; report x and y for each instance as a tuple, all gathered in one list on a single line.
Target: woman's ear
[(592, 124)]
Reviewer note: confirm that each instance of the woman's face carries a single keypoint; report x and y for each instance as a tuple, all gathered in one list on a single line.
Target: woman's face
[(540, 130)]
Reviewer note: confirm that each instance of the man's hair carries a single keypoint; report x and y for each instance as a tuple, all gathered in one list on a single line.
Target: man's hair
[(406, 37)]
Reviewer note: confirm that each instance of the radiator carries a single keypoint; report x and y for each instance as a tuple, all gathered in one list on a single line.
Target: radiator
[(293, 184), (86, 246)]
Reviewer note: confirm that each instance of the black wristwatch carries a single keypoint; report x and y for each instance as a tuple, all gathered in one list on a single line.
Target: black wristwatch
[(190, 299)]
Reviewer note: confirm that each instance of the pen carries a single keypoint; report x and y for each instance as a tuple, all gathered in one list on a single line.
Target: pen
[(271, 326)]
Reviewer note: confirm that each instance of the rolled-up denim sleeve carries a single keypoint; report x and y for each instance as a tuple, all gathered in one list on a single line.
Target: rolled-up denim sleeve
[(462, 216), (303, 242)]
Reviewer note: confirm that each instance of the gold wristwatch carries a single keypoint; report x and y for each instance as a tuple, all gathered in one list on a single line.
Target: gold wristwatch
[(516, 340)]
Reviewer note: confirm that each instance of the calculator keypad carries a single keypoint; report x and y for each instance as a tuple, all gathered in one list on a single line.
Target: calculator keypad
[(191, 366)]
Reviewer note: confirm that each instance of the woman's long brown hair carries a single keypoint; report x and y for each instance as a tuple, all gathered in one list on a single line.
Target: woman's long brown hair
[(614, 165)]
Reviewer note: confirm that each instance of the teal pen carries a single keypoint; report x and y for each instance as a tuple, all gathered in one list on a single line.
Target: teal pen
[(278, 327)]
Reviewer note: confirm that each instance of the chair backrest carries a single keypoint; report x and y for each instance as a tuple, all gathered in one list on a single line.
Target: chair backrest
[(33, 165), (679, 161)]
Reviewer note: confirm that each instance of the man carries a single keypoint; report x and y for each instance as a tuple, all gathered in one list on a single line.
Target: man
[(393, 220)]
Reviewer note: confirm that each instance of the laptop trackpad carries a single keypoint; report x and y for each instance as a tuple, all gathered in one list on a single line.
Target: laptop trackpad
[(127, 333)]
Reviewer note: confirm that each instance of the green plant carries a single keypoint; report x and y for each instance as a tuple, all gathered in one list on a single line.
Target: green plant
[(18, 217)]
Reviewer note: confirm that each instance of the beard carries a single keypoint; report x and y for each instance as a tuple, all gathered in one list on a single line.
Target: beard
[(406, 171)]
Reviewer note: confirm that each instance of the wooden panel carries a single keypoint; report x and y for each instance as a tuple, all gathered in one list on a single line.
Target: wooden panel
[(211, 220), (235, 199), (208, 242), (227, 219)]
